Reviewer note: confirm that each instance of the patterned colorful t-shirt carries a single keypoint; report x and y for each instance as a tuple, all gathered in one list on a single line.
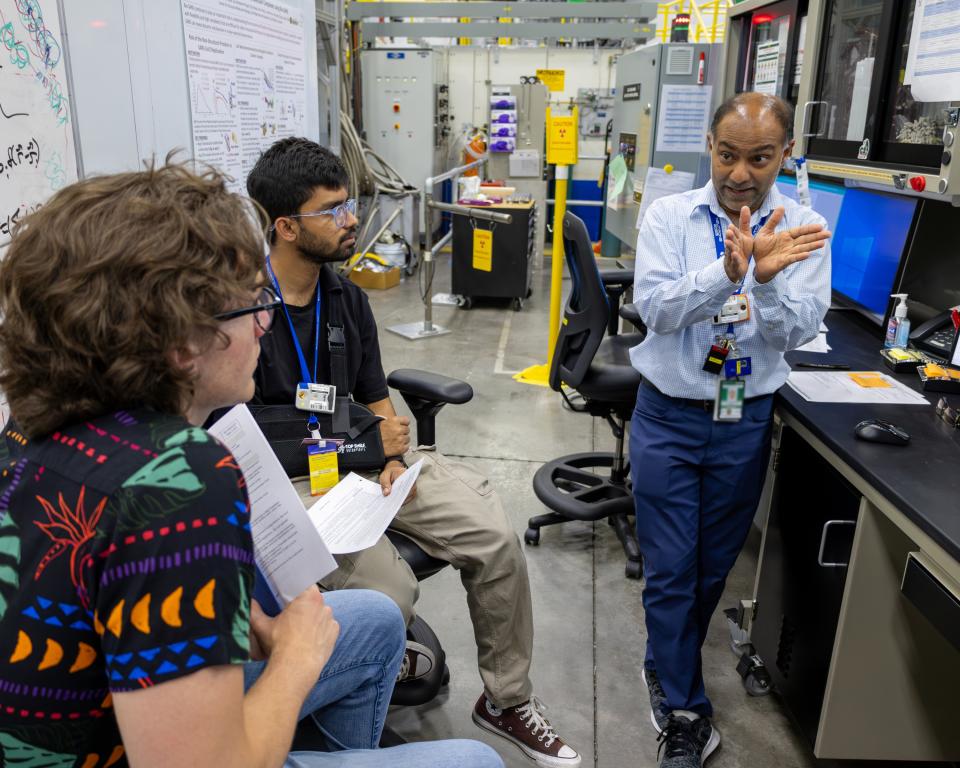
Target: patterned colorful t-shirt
[(125, 561)]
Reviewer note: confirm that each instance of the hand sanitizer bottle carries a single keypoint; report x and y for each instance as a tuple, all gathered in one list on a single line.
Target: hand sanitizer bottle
[(898, 328)]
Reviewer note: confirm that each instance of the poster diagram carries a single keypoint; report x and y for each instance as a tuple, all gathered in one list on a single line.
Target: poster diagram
[(248, 76)]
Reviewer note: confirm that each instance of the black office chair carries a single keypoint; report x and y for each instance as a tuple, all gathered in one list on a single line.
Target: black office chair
[(595, 485), (425, 394)]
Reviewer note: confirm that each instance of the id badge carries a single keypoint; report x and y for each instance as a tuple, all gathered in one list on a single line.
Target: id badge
[(728, 404), (736, 368), (735, 309), (316, 398), (715, 357)]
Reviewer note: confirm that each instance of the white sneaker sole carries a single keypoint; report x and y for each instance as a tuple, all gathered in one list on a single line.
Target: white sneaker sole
[(711, 745), (537, 757)]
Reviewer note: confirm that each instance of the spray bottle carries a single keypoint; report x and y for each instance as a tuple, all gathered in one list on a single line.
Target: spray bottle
[(898, 328)]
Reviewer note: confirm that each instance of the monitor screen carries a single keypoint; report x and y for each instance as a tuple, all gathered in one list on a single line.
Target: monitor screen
[(867, 244), (931, 275), (825, 198)]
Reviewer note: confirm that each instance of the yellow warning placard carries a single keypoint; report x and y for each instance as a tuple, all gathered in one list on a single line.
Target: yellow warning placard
[(552, 78), (562, 138), (483, 250)]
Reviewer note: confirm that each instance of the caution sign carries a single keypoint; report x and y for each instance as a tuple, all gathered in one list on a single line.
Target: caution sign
[(562, 138), (552, 78), (483, 250)]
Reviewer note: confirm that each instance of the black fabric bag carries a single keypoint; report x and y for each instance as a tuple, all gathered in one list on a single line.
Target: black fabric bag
[(285, 426)]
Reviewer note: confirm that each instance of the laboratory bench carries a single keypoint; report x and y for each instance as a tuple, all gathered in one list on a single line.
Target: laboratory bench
[(856, 605)]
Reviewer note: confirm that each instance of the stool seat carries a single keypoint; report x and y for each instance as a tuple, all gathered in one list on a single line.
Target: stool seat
[(422, 564)]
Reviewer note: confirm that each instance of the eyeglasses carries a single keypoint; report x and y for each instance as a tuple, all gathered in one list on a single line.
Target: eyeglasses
[(950, 415), (263, 311), (339, 213)]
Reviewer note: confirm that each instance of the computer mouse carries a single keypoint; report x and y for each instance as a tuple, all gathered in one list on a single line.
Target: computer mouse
[(878, 431)]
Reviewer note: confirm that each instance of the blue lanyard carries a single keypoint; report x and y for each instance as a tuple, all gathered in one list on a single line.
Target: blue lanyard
[(721, 248), (304, 371)]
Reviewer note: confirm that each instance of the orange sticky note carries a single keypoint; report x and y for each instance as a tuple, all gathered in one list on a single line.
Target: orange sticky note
[(870, 379)]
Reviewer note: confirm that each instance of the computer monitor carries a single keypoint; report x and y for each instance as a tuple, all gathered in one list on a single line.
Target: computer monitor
[(825, 198), (871, 233), (931, 274)]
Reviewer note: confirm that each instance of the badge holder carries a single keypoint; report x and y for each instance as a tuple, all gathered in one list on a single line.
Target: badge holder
[(315, 398), (728, 404)]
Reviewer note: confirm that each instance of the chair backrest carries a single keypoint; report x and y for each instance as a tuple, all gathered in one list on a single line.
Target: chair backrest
[(586, 311)]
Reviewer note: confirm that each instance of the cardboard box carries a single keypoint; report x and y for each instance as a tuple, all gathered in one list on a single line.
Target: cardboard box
[(367, 278)]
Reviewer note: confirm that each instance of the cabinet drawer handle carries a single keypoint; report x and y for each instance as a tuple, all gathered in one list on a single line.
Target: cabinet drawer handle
[(806, 120), (823, 542)]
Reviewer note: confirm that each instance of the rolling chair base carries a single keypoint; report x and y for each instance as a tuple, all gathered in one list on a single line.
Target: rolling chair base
[(575, 489)]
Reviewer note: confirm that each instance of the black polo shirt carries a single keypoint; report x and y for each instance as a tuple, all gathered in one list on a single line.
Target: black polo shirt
[(278, 370)]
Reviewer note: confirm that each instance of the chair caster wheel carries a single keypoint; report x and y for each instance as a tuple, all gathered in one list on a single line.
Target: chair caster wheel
[(445, 680), (633, 569), (756, 679), (532, 536), (516, 304)]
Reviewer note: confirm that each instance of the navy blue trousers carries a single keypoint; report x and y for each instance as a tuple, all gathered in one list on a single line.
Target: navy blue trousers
[(696, 484)]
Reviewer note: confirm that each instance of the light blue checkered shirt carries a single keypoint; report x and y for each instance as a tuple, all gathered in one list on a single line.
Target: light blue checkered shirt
[(680, 284)]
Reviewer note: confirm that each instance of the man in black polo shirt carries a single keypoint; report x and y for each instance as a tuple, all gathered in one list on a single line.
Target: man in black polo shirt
[(453, 514)]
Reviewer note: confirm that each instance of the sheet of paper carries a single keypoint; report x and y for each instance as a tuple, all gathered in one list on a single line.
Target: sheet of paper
[(933, 59), (355, 513), (839, 387), (683, 118), (766, 70), (618, 178), (288, 549), (658, 183), (823, 327), (819, 344)]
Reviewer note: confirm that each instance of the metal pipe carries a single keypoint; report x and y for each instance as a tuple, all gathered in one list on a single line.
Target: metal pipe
[(585, 203), (428, 183), (591, 157), (473, 213), (396, 212)]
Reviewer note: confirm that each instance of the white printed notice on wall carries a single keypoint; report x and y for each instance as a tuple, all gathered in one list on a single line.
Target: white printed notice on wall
[(684, 118), (247, 77), (933, 59), (37, 154)]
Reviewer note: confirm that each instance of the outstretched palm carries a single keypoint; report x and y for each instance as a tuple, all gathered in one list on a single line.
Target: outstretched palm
[(773, 251)]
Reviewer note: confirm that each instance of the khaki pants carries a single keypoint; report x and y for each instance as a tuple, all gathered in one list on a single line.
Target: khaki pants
[(456, 516)]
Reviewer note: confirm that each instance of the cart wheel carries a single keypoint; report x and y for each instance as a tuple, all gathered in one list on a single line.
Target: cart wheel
[(633, 569), (466, 302), (532, 536), (409, 271), (517, 304), (529, 293)]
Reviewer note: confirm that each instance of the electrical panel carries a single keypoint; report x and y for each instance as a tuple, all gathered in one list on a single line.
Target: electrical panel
[(664, 99), (406, 109)]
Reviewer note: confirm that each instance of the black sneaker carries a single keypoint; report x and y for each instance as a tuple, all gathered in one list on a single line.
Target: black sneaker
[(687, 743), (658, 699), (417, 661)]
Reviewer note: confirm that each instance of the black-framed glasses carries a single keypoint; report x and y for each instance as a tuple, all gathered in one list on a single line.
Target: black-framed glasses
[(949, 414), (263, 311), (339, 213)]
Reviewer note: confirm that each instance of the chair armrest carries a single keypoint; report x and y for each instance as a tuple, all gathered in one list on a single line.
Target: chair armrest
[(619, 277), (429, 386), (629, 313)]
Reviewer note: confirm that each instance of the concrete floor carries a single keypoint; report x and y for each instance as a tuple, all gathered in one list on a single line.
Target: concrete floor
[(590, 632)]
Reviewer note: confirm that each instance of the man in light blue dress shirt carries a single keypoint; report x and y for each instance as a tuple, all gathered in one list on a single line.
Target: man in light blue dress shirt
[(737, 251)]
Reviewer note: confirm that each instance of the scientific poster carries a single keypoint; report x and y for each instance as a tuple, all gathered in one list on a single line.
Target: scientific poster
[(37, 153), (247, 77)]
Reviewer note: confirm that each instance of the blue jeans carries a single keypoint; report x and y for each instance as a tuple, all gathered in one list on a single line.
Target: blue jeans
[(349, 702), (696, 485)]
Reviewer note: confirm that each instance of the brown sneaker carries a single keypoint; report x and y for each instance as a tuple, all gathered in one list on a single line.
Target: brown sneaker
[(526, 727)]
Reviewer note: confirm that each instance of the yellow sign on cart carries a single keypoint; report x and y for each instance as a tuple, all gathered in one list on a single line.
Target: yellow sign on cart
[(562, 138), (483, 250), (552, 78)]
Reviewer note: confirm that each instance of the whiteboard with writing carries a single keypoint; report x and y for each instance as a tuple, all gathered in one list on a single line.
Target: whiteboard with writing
[(37, 154)]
